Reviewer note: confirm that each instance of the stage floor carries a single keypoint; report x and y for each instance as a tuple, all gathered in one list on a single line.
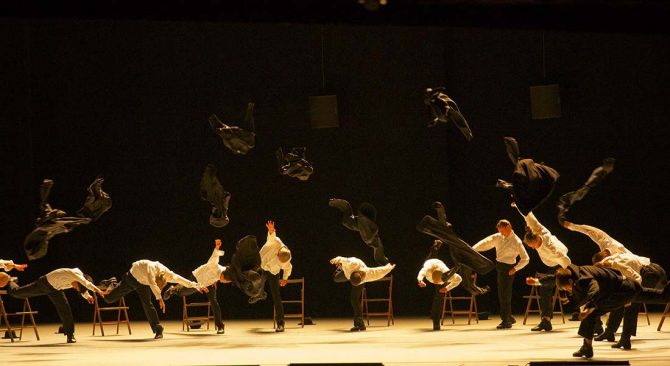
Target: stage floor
[(253, 342)]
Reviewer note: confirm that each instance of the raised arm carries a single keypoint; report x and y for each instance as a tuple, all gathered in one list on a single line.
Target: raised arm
[(216, 253), (375, 273), (534, 224), (487, 243)]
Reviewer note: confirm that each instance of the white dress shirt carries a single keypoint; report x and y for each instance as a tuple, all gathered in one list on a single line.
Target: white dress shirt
[(628, 264), (600, 237), (146, 271), (507, 249), (6, 265), (210, 272), (552, 252), (269, 260), (352, 264), (62, 278), (434, 264)]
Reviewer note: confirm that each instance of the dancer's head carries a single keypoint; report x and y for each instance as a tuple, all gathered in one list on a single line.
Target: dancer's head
[(4, 279), (531, 239), (564, 280), (161, 280), (284, 254), (436, 278), (357, 278), (599, 256), (504, 227), (224, 277)]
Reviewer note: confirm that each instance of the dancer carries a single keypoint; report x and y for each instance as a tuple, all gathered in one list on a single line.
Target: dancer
[(444, 109), (53, 285), (357, 273), (236, 139), (601, 238), (508, 247), (294, 164), (554, 255), (8, 265), (364, 223), (146, 277), (465, 259), (439, 275), (532, 183), (207, 275), (52, 222), (640, 270), (212, 191), (275, 257)]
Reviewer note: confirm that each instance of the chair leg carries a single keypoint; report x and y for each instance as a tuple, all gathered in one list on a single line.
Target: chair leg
[(665, 313)]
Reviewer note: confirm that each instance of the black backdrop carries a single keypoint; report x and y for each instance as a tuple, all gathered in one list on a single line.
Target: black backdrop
[(129, 99)]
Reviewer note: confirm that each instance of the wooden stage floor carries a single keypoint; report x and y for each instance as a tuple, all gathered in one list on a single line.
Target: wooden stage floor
[(253, 342)]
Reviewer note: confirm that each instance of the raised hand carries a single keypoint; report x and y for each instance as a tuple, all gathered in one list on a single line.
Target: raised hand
[(271, 226)]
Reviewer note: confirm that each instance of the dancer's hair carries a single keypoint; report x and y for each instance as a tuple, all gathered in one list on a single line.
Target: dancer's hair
[(562, 277), (284, 254), (599, 256), (356, 278), (4, 279), (503, 223), (161, 280), (437, 276), (529, 236)]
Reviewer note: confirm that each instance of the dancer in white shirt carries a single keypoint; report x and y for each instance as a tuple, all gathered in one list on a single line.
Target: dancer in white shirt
[(554, 254), (444, 279), (53, 285), (640, 270), (276, 257), (508, 248), (207, 275), (357, 273), (146, 277)]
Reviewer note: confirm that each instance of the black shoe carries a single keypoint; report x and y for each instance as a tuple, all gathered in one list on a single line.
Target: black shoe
[(159, 332), (504, 325), (544, 325), (358, 327), (108, 284), (436, 325), (221, 330), (7, 335), (512, 320), (168, 293), (585, 351), (604, 336), (197, 324), (280, 327), (70, 338), (622, 343)]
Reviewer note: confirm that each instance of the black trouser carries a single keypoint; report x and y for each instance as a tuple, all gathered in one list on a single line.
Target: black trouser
[(42, 287), (355, 297), (181, 290), (610, 302), (438, 301), (547, 291), (357, 304), (505, 283), (653, 276), (273, 281), (129, 284), (378, 249)]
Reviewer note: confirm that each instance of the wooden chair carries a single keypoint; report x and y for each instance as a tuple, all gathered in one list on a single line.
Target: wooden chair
[(470, 312), (121, 315), (188, 320), (644, 312), (535, 295), (26, 311), (666, 312), (388, 300), (301, 301)]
